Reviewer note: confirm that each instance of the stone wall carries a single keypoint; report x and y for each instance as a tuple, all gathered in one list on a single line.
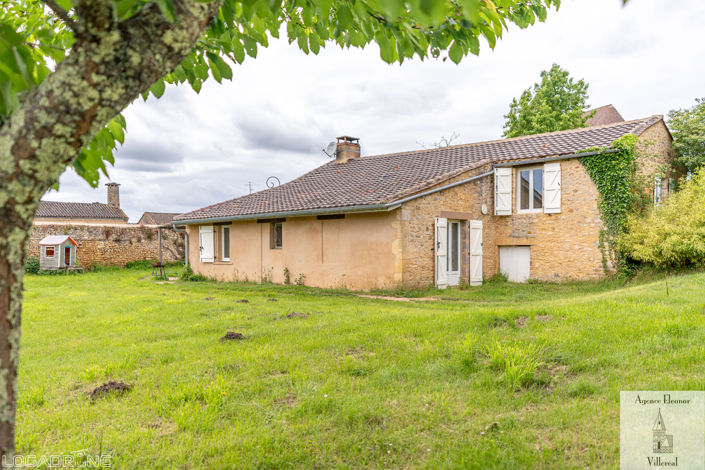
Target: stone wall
[(564, 246), (112, 244)]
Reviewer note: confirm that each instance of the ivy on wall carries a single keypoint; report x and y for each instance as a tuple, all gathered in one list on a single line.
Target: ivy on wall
[(613, 175)]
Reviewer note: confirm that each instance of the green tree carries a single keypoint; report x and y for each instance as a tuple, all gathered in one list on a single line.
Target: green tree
[(556, 103), (688, 129), (69, 67)]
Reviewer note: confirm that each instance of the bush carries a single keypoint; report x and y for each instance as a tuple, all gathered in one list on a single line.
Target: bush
[(673, 234), (31, 265), (188, 275)]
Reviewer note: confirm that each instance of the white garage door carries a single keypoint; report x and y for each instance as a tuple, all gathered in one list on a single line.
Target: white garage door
[(515, 262)]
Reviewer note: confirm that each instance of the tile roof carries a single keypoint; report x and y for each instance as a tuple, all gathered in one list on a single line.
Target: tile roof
[(607, 114), (79, 210), (157, 218), (376, 180)]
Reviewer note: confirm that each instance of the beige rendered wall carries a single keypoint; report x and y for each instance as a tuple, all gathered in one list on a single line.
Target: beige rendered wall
[(362, 251)]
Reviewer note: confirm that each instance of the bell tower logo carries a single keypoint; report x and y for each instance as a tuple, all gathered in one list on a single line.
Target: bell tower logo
[(663, 443)]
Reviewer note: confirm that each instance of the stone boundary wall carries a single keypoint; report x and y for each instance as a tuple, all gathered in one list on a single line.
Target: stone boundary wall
[(112, 244)]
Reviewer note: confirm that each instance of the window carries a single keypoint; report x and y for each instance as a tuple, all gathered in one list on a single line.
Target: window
[(657, 190), (225, 245), (276, 236), (49, 252), (530, 192)]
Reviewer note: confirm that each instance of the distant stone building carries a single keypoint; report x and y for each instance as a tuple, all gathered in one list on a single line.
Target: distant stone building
[(84, 212), (159, 219), (604, 115)]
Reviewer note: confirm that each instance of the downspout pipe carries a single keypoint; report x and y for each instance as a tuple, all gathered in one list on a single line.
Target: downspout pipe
[(181, 230)]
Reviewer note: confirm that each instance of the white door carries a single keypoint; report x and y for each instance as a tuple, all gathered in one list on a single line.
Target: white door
[(475, 252), (441, 250), (205, 239), (515, 262), (453, 259)]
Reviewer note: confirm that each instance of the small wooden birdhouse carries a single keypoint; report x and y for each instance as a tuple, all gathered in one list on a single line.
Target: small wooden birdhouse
[(57, 252)]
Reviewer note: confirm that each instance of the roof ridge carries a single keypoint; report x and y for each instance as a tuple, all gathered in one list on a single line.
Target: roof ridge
[(513, 139)]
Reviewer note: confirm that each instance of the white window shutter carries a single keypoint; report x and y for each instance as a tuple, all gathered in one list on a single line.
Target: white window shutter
[(475, 252), (441, 252), (657, 190), (552, 188), (205, 239), (503, 191)]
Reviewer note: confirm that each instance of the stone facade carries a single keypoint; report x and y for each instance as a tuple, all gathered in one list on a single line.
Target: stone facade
[(111, 244), (564, 246)]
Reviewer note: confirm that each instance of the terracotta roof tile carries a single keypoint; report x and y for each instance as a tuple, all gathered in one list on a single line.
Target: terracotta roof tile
[(157, 218), (607, 114), (79, 210), (375, 180)]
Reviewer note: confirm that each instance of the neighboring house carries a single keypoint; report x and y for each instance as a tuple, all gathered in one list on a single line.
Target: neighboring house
[(604, 115), (157, 218), (84, 212), (447, 215), (57, 252)]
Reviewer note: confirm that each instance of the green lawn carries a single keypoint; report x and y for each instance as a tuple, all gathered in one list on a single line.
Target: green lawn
[(353, 382)]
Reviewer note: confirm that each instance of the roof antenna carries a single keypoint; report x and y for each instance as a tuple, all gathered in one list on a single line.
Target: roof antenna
[(330, 150)]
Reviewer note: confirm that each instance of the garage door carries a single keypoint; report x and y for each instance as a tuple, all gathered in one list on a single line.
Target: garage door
[(515, 262)]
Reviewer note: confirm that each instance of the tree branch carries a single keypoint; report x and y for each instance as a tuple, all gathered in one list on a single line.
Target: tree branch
[(63, 15)]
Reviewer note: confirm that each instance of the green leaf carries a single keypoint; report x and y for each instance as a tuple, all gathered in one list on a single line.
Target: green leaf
[(167, 9), (158, 88), (456, 52)]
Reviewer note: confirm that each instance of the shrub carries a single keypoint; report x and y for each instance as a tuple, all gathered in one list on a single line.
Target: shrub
[(188, 275), (140, 264), (673, 234), (31, 265)]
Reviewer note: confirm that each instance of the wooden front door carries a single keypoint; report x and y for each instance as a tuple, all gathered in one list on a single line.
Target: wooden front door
[(67, 255)]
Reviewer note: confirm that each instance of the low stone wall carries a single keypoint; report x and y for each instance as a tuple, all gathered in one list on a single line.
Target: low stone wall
[(113, 244)]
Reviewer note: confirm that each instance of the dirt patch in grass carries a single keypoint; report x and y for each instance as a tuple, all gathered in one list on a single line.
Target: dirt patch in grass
[(542, 318), (272, 300), (520, 322), (109, 388), (242, 301), (232, 336), (296, 315), (208, 299), (498, 323), (288, 400)]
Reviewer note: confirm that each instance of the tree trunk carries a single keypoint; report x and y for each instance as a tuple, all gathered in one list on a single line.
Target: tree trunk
[(109, 65)]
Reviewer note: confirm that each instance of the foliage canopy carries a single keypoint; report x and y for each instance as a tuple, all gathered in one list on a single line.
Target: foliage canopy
[(556, 103), (34, 39), (688, 129)]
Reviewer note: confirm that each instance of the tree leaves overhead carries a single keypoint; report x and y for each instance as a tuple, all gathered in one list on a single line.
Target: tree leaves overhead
[(34, 38)]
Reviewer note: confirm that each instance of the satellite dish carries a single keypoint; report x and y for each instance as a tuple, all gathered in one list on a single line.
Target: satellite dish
[(330, 150)]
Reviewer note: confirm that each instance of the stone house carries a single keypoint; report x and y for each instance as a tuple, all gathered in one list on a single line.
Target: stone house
[(84, 212), (525, 207), (157, 218)]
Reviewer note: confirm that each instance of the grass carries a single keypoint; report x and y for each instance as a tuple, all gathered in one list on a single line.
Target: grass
[(500, 376)]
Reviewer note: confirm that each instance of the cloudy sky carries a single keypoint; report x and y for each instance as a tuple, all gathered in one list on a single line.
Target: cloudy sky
[(186, 151)]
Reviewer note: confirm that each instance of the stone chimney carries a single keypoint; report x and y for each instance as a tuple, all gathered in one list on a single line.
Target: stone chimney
[(113, 194), (347, 148)]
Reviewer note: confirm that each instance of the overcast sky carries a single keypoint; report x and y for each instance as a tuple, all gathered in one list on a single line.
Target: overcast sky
[(186, 151)]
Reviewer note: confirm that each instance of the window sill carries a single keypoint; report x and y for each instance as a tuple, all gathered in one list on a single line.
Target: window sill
[(225, 261), (529, 211)]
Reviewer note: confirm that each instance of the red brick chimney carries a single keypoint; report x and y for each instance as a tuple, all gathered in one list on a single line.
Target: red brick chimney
[(347, 148), (113, 194)]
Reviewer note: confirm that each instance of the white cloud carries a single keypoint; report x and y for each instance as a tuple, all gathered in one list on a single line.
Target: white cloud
[(186, 150)]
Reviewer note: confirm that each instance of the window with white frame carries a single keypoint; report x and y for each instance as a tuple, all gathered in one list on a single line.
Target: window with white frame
[(530, 193), (658, 194), (225, 244)]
